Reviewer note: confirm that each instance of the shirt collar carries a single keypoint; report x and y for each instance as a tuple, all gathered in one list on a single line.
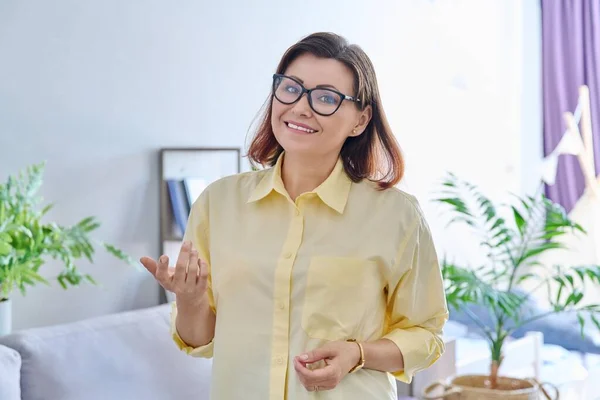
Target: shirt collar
[(333, 191)]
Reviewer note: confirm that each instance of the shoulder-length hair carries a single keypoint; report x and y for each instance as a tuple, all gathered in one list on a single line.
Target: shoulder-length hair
[(374, 154)]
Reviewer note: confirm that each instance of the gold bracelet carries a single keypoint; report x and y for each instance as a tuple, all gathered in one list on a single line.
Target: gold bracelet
[(361, 362)]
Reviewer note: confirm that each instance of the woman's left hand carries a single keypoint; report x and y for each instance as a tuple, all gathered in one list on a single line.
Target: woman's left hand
[(338, 358)]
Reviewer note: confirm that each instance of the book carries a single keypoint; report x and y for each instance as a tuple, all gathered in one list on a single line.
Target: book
[(179, 204)]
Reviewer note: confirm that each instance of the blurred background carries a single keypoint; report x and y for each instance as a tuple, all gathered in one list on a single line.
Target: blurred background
[(96, 88)]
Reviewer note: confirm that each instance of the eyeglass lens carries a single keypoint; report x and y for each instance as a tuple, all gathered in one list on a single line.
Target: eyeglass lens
[(322, 101)]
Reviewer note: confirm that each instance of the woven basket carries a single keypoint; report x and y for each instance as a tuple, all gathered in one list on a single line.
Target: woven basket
[(474, 387)]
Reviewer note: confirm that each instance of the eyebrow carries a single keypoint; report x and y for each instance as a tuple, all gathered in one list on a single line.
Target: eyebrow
[(318, 86)]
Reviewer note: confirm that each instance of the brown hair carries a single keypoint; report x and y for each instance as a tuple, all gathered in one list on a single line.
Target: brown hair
[(374, 154)]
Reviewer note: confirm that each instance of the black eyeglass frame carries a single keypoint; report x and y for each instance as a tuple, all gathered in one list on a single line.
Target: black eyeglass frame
[(308, 92)]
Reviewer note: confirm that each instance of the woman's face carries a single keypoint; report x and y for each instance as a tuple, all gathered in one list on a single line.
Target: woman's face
[(302, 131)]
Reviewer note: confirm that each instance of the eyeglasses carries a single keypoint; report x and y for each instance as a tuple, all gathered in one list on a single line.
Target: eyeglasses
[(323, 101)]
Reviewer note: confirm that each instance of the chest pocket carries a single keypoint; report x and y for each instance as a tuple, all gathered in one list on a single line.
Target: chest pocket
[(337, 296)]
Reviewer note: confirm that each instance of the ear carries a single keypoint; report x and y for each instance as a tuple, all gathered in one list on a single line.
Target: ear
[(363, 120)]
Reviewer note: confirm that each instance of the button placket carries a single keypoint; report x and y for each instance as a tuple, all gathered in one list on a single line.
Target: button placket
[(281, 299)]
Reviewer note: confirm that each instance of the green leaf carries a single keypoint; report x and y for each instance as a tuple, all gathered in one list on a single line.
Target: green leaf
[(5, 248), (525, 277), (90, 279), (449, 184), (581, 324), (61, 281), (88, 224), (574, 298), (458, 204), (118, 253), (539, 249), (498, 223), (519, 220), (25, 231), (569, 279), (46, 209), (595, 321), (34, 276), (75, 252), (591, 273), (86, 221)]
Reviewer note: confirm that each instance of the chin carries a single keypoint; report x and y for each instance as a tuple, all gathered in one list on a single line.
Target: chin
[(291, 146), (294, 143)]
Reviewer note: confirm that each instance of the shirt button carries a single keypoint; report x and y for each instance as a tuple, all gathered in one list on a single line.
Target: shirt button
[(281, 305), (297, 212), (279, 360), (287, 255)]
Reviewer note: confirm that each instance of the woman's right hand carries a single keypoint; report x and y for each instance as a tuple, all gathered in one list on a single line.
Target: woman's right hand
[(188, 279)]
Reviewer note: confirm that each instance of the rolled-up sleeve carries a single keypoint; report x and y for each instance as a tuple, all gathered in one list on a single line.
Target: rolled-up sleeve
[(205, 351), (417, 310), (198, 233)]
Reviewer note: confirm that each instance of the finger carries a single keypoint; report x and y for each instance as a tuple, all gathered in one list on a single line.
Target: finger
[(304, 373), (192, 274), (316, 376), (326, 387), (301, 370), (316, 355), (203, 274), (311, 385), (171, 272), (150, 264), (182, 264), (162, 272), (298, 367)]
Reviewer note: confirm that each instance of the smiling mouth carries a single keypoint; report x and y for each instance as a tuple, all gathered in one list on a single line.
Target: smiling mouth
[(299, 128)]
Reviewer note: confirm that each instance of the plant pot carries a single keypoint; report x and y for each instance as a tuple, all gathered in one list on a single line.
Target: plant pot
[(5, 316), (475, 387)]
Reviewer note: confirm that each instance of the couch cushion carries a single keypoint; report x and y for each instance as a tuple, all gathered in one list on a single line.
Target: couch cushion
[(10, 371), (123, 356)]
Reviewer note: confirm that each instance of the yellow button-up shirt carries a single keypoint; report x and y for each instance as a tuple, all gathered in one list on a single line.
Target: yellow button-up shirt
[(344, 261)]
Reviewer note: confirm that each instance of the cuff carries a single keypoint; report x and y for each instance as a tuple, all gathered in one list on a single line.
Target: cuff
[(205, 351), (420, 348)]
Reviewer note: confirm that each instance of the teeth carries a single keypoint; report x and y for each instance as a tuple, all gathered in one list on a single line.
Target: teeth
[(300, 128)]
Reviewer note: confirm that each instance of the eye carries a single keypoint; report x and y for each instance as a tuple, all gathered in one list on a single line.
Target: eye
[(291, 88), (328, 99)]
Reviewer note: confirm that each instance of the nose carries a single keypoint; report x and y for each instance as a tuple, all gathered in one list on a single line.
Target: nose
[(302, 107)]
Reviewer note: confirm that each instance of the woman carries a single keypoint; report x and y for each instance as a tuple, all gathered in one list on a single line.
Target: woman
[(314, 277)]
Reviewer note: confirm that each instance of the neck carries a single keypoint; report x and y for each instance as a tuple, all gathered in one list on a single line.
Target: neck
[(301, 175)]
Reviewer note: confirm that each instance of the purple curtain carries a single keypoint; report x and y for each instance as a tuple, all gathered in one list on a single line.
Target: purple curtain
[(570, 58)]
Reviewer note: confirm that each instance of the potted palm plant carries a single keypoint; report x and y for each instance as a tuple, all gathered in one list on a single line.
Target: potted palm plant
[(513, 236), (26, 241)]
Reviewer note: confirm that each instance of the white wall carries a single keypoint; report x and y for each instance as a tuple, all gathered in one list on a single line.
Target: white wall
[(532, 149), (96, 88)]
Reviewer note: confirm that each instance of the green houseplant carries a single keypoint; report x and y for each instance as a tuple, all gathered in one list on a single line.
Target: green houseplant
[(26, 241), (513, 237)]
